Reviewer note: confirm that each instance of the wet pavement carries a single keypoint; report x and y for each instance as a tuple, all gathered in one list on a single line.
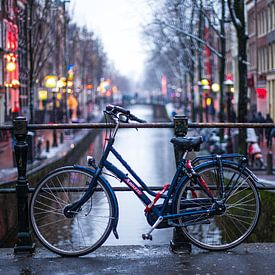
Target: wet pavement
[(245, 259)]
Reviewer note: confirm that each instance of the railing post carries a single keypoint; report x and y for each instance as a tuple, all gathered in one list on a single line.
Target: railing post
[(269, 163), (61, 137), (47, 146), (24, 240), (180, 243)]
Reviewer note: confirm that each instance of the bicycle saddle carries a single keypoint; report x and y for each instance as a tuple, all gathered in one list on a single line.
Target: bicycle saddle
[(188, 143)]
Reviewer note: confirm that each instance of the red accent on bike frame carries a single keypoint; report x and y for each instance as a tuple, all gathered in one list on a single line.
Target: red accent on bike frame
[(150, 206), (189, 164), (205, 185), (189, 167)]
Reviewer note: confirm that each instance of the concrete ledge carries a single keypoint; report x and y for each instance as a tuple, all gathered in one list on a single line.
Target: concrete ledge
[(245, 259)]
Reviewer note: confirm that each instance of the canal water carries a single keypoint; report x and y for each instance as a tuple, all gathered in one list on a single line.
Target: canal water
[(150, 154)]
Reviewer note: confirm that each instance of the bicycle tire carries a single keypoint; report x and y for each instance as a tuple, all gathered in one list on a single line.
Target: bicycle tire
[(227, 230), (87, 229)]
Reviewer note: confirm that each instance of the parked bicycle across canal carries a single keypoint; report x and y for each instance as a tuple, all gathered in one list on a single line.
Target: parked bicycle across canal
[(183, 127)]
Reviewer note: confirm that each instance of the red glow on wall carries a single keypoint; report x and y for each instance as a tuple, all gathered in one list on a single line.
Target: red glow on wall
[(11, 36), (164, 85)]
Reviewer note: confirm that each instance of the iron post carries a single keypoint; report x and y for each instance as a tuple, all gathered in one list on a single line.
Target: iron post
[(24, 240), (269, 163), (54, 120), (179, 242)]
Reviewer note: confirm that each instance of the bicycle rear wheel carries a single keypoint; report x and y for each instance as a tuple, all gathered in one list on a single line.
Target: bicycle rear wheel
[(239, 217), (84, 231)]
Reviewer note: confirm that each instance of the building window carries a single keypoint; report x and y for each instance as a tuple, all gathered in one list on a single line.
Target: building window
[(265, 21), (1, 35), (270, 55), (271, 16), (10, 8), (261, 23), (266, 59), (1, 72), (260, 60)]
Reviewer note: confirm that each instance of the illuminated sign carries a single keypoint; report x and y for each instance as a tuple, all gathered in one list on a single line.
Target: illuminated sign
[(10, 36)]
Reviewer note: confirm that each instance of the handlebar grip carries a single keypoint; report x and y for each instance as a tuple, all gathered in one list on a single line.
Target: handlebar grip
[(115, 109), (134, 118)]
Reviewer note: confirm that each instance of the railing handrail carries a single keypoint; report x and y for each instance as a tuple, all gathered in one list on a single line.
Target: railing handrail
[(141, 125)]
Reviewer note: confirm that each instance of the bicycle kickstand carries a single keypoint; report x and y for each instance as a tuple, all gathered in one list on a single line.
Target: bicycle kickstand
[(148, 236)]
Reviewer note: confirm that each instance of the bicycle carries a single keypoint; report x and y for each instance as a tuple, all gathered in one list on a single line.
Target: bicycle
[(213, 199)]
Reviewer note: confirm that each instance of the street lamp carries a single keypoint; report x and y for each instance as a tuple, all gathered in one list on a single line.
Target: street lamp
[(215, 88), (51, 83)]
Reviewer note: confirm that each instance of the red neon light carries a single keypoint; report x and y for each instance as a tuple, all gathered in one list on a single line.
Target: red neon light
[(261, 92), (229, 77), (11, 35)]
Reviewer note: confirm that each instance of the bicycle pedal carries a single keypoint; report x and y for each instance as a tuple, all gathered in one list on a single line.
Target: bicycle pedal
[(147, 237)]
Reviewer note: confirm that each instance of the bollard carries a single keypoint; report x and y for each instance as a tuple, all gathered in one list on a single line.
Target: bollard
[(39, 147), (269, 163), (47, 146), (24, 240), (54, 138), (61, 138), (179, 242)]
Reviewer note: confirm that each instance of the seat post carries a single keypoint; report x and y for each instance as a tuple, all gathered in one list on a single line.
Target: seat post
[(184, 155)]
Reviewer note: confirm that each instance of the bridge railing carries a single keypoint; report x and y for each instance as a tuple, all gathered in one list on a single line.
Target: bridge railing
[(20, 129)]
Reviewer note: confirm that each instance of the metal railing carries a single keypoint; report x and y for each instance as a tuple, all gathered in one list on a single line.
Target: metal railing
[(20, 129)]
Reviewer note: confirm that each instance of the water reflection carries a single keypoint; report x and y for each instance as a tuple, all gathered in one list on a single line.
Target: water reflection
[(265, 230)]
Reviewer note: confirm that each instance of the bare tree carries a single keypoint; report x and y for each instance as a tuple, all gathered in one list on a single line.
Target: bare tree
[(182, 25), (40, 46), (237, 11)]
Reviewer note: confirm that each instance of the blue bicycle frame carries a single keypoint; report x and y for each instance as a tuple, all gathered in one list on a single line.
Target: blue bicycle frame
[(139, 190), (161, 211)]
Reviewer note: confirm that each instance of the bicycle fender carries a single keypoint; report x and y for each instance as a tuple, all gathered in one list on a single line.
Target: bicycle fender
[(110, 190)]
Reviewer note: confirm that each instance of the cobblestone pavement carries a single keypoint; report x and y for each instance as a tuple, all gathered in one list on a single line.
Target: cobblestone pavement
[(245, 259)]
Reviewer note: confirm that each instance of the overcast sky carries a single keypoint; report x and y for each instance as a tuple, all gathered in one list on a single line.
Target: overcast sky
[(117, 22)]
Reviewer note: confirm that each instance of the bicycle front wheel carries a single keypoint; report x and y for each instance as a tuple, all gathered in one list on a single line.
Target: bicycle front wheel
[(82, 232), (237, 219)]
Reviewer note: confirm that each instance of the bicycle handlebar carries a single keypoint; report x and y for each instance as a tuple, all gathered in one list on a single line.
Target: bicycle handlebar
[(114, 110)]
